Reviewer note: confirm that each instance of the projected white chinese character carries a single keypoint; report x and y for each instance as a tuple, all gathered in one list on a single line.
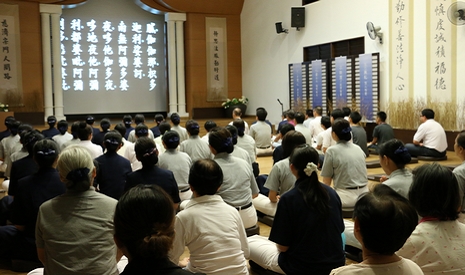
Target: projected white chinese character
[(63, 61), (93, 73), (107, 26), (108, 73), (93, 49), (92, 37), (137, 50), (151, 39), (152, 73), (153, 84), (92, 26), (122, 39), (63, 72), (107, 50), (76, 24), (77, 61), (122, 50), (109, 85), (152, 62), (107, 37), (124, 85), (123, 61), (62, 24), (77, 73), (151, 28), (137, 39), (62, 36), (64, 85), (138, 74), (93, 62), (151, 51), (137, 62), (123, 73), (76, 49), (136, 27), (107, 61), (63, 49), (76, 37), (93, 85), (122, 27), (78, 85)]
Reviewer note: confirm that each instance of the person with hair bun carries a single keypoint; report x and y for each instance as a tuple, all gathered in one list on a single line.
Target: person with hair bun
[(211, 229), (163, 128), (85, 135), (147, 153), (74, 133), (194, 146), (344, 165), (177, 162), (239, 185), (306, 233), (98, 139), (238, 151), (437, 244), (144, 231), (63, 136), (74, 231), (176, 119), (209, 124), (245, 141), (139, 119)]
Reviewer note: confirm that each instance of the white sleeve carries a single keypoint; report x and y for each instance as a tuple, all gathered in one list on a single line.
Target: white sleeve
[(178, 244)]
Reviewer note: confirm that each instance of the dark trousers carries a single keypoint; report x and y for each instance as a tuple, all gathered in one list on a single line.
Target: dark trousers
[(416, 150), (261, 184), (15, 245)]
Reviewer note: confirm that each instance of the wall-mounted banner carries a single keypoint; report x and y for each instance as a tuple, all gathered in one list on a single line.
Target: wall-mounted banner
[(366, 85), (217, 59), (317, 91), (297, 77), (341, 81)]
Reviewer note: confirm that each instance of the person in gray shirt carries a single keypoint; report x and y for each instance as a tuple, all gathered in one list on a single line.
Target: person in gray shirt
[(359, 135), (382, 132)]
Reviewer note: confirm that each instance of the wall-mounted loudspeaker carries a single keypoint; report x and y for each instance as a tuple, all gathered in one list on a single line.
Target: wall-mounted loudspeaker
[(298, 17), (279, 28)]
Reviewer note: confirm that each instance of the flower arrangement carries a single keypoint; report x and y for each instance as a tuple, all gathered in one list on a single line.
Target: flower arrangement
[(235, 101), (3, 107)]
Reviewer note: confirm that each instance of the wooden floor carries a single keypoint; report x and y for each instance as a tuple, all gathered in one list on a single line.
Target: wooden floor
[(265, 167)]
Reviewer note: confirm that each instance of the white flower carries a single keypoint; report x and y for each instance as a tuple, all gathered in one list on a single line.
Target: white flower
[(311, 167), (2, 105), (6, 110)]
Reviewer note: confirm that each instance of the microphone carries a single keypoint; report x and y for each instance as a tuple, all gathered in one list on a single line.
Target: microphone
[(280, 102)]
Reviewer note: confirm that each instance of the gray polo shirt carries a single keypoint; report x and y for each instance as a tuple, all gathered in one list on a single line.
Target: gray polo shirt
[(179, 163), (280, 178), (400, 181), (260, 131), (196, 148)]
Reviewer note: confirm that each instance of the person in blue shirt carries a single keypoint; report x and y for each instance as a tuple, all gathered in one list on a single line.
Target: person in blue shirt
[(51, 131)]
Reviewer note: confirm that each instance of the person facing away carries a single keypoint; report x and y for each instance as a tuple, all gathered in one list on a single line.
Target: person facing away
[(300, 127), (74, 133), (159, 118), (51, 131), (315, 124), (459, 171), (237, 114), (138, 120), (195, 147), (261, 132), (127, 121), (105, 125), (7, 122), (63, 136), (209, 124), (176, 120), (359, 135), (382, 132), (90, 120)]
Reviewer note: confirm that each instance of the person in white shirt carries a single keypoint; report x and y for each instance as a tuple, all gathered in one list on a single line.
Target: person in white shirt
[(300, 127), (176, 119), (194, 146), (141, 130), (315, 124), (236, 114), (211, 229), (138, 119), (163, 128), (85, 135), (238, 152), (245, 141), (74, 133), (328, 140), (209, 124), (430, 138), (64, 136), (120, 128)]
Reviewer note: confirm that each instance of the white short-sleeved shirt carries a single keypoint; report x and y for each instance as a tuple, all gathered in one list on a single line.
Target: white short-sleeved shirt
[(345, 164), (132, 135), (94, 150), (307, 122), (241, 153), (459, 173), (247, 143), (315, 126), (404, 267), (62, 139), (328, 138), (280, 178), (305, 132), (183, 135), (196, 148), (261, 133), (246, 130), (432, 134), (179, 163)]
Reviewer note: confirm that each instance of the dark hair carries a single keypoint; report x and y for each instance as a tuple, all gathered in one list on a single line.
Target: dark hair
[(461, 139), (394, 149), (84, 131), (291, 140), (309, 112), (24, 127), (209, 124), (105, 124), (240, 126), (75, 129), (164, 126), (355, 117), (159, 118), (428, 113), (141, 130), (192, 127), (386, 219), (51, 120), (337, 113), (121, 129), (175, 119), (318, 110), (233, 130), (146, 151), (341, 128), (285, 113), (326, 121), (139, 118), (290, 114), (299, 118), (171, 139), (14, 125), (220, 139), (62, 126), (45, 152), (29, 139), (205, 176), (127, 119), (261, 114), (112, 141), (286, 128), (8, 121), (434, 192), (90, 120), (315, 195), (346, 110), (144, 222), (382, 116), (237, 112)]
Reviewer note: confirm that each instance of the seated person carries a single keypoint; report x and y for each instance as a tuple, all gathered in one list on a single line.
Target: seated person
[(193, 145), (299, 127), (437, 244), (306, 233), (280, 180), (245, 141), (377, 216), (127, 121), (278, 150), (238, 152), (74, 133), (328, 139), (209, 124), (139, 119), (261, 132), (236, 114), (7, 132), (359, 135), (315, 124), (85, 136), (163, 128), (146, 238), (90, 120), (325, 124), (63, 136), (308, 118), (51, 131), (459, 171), (430, 139), (159, 118), (382, 132), (211, 229), (98, 139), (176, 120)]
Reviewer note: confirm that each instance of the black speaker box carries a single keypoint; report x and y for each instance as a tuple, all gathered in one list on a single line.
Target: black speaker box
[(298, 17), (279, 27)]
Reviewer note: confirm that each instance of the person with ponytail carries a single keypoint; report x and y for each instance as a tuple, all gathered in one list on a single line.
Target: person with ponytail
[(306, 233), (144, 231), (113, 168), (245, 141), (74, 133), (239, 185), (98, 138), (63, 136), (74, 231), (345, 165), (238, 151), (147, 153), (194, 146), (176, 119)]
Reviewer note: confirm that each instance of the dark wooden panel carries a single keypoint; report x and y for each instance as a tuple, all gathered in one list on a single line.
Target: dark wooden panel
[(33, 118), (203, 113)]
